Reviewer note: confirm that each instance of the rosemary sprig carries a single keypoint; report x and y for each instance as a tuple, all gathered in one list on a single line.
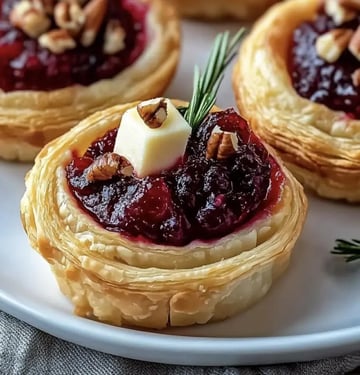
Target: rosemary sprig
[(349, 249), (206, 85)]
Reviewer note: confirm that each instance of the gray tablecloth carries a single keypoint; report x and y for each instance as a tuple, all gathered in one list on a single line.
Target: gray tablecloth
[(26, 350)]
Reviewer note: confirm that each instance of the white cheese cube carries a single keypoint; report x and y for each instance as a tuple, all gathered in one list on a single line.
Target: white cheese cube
[(151, 150)]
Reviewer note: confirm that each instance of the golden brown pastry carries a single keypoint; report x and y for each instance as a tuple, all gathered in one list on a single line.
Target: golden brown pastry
[(134, 65), (166, 273), (300, 103), (216, 9)]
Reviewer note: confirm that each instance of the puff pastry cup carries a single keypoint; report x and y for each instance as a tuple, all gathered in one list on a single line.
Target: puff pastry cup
[(30, 119), (111, 278), (216, 9), (320, 146)]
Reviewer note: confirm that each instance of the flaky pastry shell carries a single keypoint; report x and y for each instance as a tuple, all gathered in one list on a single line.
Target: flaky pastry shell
[(319, 145), (30, 119), (111, 278), (217, 9)]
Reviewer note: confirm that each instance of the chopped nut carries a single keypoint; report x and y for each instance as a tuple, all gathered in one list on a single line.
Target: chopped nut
[(57, 41), (153, 113), (221, 145), (356, 78), (69, 15), (104, 167), (94, 12), (29, 18), (354, 45), (332, 44), (46, 5), (114, 37), (339, 11), (128, 170)]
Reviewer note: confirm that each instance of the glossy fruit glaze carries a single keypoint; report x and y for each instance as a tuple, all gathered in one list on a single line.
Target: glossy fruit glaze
[(317, 80), (198, 198), (24, 65)]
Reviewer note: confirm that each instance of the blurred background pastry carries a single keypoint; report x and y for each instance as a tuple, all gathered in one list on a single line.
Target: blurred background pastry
[(217, 9), (61, 62), (297, 80)]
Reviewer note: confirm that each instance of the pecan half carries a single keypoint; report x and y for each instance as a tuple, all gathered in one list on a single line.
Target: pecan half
[(221, 145), (153, 113), (104, 167), (57, 41), (69, 15), (94, 13), (114, 39), (339, 11), (331, 45), (30, 18)]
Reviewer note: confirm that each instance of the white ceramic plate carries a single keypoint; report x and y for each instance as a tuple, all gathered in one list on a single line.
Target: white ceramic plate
[(313, 311)]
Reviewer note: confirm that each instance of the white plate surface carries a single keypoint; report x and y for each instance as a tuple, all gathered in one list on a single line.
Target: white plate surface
[(312, 312)]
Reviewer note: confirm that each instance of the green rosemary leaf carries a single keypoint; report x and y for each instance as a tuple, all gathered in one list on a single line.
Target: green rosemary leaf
[(206, 85), (214, 69), (349, 249), (194, 102), (352, 258), (182, 110), (233, 44)]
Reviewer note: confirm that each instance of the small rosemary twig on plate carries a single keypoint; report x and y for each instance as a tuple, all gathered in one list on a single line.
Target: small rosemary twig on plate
[(349, 249)]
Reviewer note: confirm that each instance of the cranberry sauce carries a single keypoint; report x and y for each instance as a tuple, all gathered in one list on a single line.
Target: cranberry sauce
[(198, 198), (317, 80), (24, 65)]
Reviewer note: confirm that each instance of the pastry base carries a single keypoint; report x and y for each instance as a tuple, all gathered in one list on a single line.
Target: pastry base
[(118, 305)]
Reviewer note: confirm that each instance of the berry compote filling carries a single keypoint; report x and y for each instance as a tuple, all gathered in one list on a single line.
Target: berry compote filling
[(317, 80), (198, 198), (25, 65)]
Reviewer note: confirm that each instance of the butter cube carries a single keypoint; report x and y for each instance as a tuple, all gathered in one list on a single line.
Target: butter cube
[(150, 150)]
